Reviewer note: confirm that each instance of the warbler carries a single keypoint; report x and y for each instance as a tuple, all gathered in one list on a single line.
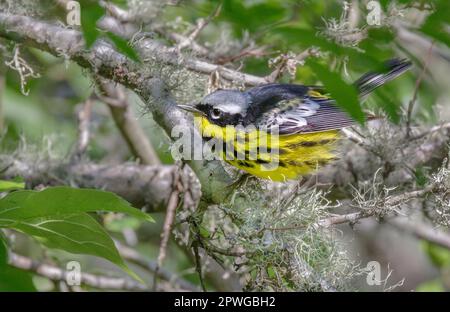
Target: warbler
[(307, 120)]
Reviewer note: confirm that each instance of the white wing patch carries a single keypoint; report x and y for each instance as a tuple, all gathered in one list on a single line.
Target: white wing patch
[(293, 117), (308, 108)]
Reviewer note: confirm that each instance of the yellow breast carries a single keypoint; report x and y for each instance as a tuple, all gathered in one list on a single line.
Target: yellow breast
[(275, 157)]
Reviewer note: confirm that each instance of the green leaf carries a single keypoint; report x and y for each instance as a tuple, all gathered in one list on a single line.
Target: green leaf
[(12, 279), (440, 256), (11, 185), (204, 232), (271, 272), (246, 15), (123, 46), (421, 176), (390, 107), (74, 233), (62, 200), (90, 13), (308, 38), (436, 25), (293, 36), (346, 95), (58, 217)]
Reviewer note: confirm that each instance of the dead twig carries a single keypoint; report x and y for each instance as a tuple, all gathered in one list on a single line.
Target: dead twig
[(84, 117), (288, 62), (24, 70), (198, 265), (247, 52), (201, 24), (168, 221)]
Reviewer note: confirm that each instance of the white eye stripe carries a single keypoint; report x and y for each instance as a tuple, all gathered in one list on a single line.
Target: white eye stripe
[(230, 108)]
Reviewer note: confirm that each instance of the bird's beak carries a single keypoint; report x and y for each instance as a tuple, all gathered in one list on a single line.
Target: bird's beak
[(191, 109)]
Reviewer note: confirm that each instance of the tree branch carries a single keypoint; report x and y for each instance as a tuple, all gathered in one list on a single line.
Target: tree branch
[(84, 116), (133, 256), (422, 231), (390, 201), (57, 274), (116, 98), (142, 186)]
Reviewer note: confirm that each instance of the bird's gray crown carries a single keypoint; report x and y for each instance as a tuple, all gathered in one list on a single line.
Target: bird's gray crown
[(229, 101)]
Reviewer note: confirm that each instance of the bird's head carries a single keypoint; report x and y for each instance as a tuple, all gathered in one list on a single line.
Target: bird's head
[(222, 107)]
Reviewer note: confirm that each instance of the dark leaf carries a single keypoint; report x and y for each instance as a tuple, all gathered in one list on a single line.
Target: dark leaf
[(123, 46), (346, 95), (90, 13)]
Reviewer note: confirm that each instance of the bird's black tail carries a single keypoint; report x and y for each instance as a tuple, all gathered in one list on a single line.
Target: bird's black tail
[(388, 71)]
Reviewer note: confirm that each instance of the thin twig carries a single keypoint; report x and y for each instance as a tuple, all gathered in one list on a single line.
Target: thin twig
[(201, 24), (390, 201), (178, 38), (84, 116), (168, 221), (198, 265), (444, 126), (289, 63), (24, 70)]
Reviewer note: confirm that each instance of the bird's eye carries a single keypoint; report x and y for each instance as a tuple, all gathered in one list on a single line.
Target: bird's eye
[(216, 113)]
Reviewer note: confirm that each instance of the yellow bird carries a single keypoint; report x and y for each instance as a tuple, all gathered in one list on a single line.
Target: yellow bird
[(280, 131)]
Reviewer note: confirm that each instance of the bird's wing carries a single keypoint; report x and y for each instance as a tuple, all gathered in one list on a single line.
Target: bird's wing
[(309, 112)]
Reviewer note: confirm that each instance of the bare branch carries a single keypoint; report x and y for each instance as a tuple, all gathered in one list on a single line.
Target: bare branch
[(343, 172), (168, 222), (84, 116), (201, 24), (444, 126), (422, 231), (57, 274), (390, 201)]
